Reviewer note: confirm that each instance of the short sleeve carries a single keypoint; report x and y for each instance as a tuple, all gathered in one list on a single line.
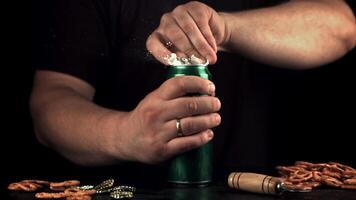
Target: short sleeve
[(69, 36)]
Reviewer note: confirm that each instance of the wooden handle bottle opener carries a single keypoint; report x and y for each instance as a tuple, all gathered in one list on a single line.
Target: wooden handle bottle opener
[(252, 182), (259, 183)]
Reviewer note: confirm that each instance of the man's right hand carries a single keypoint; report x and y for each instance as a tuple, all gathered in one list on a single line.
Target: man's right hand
[(149, 133)]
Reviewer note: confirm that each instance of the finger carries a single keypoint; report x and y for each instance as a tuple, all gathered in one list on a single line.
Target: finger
[(182, 85), (155, 45), (205, 28), (190, 106), (183, 144), (176, 35), (193, 125), (195, 36)]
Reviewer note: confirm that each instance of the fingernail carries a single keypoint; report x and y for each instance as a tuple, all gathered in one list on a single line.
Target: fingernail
[(217, 104), (211, 88), (210, 134), (217, 119)]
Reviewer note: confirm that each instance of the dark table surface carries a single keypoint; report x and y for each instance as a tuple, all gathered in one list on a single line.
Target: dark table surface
[(215, 191)]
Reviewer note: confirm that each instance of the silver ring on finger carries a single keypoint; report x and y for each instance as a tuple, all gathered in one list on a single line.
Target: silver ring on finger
[(179, 128)]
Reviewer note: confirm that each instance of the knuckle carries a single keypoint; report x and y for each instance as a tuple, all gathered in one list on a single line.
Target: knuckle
[(179, 9), (180, 82), (189, 126), (157, 152), (192, 105), (174, 34), (200, 141), (151, 114), (188, 28), (165, 18), (195, 4), (191, 51), (201, 46), (186, 147), (201, 22), (168, 85)]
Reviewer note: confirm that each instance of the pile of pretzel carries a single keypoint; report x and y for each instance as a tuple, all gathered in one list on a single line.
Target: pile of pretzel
[(306, 176), (65, 189)]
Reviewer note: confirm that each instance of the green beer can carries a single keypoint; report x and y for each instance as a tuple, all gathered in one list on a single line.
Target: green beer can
[(194, 167)]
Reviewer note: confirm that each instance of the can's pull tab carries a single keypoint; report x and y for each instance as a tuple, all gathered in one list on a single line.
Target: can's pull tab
[(257, 183)]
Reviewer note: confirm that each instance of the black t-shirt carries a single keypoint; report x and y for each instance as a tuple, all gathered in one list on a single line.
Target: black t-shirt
[(103, 43)]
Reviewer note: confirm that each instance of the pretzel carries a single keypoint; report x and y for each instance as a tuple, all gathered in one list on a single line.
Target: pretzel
[(350, 181), (66, 184), (335, 168), (316, 176), (84, 197), (304, 164), (326, 171), (73, 193), (344, 167), (285, 171), (41, 182), (300, 176), (61, 186), (67, 189), (299, 186), (349, 174), (313, 184), (24, 186), (28, 185), (330, 181), (350, 187), (79, 192), (51, 195), (303, 175)]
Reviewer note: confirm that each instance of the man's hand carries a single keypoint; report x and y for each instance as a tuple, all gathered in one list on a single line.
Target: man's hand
[(150, 133), (298, 34), (190, 29)]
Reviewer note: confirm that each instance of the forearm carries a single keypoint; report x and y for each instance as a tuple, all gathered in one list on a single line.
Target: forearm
[(75, 127), (298, 34)]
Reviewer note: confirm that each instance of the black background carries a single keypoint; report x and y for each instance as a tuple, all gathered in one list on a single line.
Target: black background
[(313, 109)]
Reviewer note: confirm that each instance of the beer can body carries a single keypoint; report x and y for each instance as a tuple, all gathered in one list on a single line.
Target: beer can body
[(194, 167)]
